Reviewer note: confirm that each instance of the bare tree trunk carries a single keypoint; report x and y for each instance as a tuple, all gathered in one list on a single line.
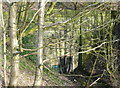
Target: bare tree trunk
[(14, 45), (80, 45), (3, 41), (1, 38), (4, 56), (1, 29), (39, 61)]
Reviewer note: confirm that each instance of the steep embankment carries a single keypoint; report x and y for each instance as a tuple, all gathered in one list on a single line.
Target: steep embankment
[(27, 73)]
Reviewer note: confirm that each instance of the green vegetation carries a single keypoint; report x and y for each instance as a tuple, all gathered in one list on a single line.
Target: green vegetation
[(86, 32)]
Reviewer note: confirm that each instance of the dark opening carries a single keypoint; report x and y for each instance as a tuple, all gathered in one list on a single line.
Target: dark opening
[(66, 64)]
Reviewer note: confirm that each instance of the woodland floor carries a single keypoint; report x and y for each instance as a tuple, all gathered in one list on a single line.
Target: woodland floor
[(26, 78)]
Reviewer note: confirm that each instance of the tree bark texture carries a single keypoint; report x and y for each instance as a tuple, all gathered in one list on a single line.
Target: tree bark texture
[(14, 45), (39, 61)]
